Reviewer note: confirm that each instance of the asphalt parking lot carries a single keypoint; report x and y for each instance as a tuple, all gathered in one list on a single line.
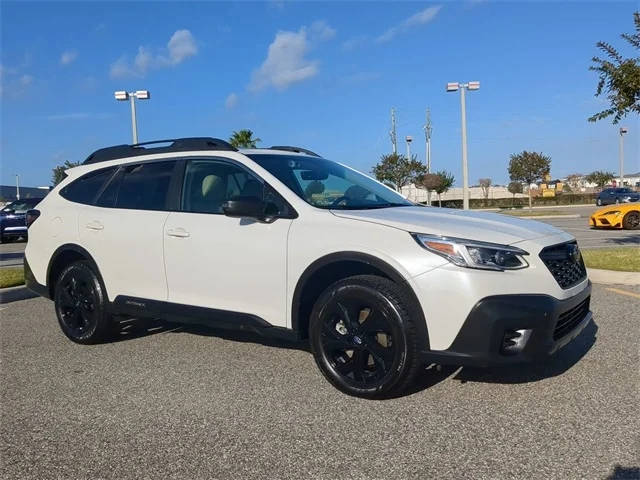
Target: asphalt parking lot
[(172, 402)]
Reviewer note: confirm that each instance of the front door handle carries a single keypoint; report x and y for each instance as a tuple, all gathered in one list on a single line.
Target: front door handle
[(177, 232), (94, 226)]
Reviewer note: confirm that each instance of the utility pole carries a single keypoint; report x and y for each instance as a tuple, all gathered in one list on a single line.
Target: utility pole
[(427, 137), (392, 133), (623, 130)]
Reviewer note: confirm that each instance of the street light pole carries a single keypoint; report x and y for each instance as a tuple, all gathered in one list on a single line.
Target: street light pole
[(123, 95), (623, 130), (134, 122), (465, 166), (452, 87)]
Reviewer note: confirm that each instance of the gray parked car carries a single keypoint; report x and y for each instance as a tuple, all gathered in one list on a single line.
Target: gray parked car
[(617, 195)]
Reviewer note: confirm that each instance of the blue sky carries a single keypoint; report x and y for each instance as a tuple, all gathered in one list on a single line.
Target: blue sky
[(322, 75)]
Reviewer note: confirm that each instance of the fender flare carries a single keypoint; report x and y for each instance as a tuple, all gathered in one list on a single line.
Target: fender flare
[(375, 262), (77, 249)]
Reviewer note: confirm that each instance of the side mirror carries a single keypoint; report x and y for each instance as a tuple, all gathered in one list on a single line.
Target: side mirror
[(246, 207)]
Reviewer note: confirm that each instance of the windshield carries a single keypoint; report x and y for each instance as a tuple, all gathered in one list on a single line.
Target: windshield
[(20, 206), (326, 184)]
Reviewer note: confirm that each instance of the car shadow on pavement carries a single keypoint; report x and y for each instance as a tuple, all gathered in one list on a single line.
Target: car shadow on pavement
[(626, 473), (624, 241), (555, 365), (131, 328)]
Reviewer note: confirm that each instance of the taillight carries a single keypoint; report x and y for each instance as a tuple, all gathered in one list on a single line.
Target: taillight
[(32, 216)]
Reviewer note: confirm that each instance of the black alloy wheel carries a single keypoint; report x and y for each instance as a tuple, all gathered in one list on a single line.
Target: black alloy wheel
[(361, 337), (80, 304), (631, 221)]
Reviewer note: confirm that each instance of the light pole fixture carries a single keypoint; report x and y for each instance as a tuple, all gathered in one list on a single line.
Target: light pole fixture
[(122, 95), (453, 87), (623, 130), (408, 139)]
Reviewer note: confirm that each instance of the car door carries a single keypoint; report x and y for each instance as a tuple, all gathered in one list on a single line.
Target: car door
[(237, 265), (123, 230)]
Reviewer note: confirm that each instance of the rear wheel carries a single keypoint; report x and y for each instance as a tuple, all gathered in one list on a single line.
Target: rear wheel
[(80, 304), (362, 337), (631, 221)]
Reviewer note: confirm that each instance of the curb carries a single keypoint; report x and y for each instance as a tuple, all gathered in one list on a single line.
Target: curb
[(14, 294), (612, 277)]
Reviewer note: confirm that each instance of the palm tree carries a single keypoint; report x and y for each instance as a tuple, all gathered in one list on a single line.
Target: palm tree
[(243, 139)]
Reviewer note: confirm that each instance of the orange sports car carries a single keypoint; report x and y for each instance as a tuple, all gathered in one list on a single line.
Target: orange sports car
[(625, 216)]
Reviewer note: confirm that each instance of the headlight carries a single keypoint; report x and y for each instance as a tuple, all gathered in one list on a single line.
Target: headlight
[(472, 254), (612, 212)]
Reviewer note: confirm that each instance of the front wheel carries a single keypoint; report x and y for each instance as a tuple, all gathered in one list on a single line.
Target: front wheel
[(631, 221), (362, 337), (80, 303)]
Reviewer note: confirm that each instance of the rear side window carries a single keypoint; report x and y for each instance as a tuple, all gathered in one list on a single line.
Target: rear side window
[(85, 188), (143, 186)]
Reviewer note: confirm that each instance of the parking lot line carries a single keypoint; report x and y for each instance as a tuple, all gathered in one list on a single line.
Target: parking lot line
[(624, 292)]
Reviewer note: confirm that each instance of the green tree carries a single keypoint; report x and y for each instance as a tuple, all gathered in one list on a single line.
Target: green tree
[(398, 170), (485, 185), (243, 139), (446, 182), (619, 77), (58, 172), (528, 167), (514, 187), (430, 181), (600, 178)]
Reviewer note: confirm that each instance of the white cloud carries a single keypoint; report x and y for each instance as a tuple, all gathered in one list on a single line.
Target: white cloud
[(286, 61), (231, 101), (181, 46), (68, 57), (14, 83), (321, 31), (417, 19)]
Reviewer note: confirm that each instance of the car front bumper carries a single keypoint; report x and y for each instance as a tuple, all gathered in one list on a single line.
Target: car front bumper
[(507, 329)]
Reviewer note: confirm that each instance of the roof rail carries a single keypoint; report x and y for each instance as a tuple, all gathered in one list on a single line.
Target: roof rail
[(294, 149), (177, 145)]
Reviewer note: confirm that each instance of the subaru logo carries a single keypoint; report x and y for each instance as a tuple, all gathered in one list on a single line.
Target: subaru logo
[(573, 252)]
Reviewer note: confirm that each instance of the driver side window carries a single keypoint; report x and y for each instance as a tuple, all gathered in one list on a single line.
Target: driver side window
[(208, 184)]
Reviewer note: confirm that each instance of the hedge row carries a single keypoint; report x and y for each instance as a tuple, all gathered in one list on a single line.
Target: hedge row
[(565, 199)]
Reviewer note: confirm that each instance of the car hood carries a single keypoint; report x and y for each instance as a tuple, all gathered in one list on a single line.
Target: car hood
[(480, 226)]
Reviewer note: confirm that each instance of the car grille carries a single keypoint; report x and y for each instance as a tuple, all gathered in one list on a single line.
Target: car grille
[(565, 263), (571, 318)]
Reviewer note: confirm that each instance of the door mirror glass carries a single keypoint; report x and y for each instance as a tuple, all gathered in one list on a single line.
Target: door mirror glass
[(245, 207)]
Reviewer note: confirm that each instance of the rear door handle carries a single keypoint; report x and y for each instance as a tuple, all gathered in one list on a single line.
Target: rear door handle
[(94, 226), (177, 232)]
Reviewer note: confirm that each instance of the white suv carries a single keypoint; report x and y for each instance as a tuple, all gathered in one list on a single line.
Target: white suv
[(284, 242)]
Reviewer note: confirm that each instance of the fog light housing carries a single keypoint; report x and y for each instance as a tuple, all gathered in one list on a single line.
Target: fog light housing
[(514, 341)]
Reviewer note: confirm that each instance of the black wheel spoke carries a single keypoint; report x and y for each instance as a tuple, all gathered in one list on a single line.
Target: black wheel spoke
[(382, 356), (349, 322), (336, 344), (375, 322)]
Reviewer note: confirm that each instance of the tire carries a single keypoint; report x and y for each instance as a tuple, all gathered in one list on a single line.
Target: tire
[(363, 338), (80, 303), (599, 202), (631, 221)]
